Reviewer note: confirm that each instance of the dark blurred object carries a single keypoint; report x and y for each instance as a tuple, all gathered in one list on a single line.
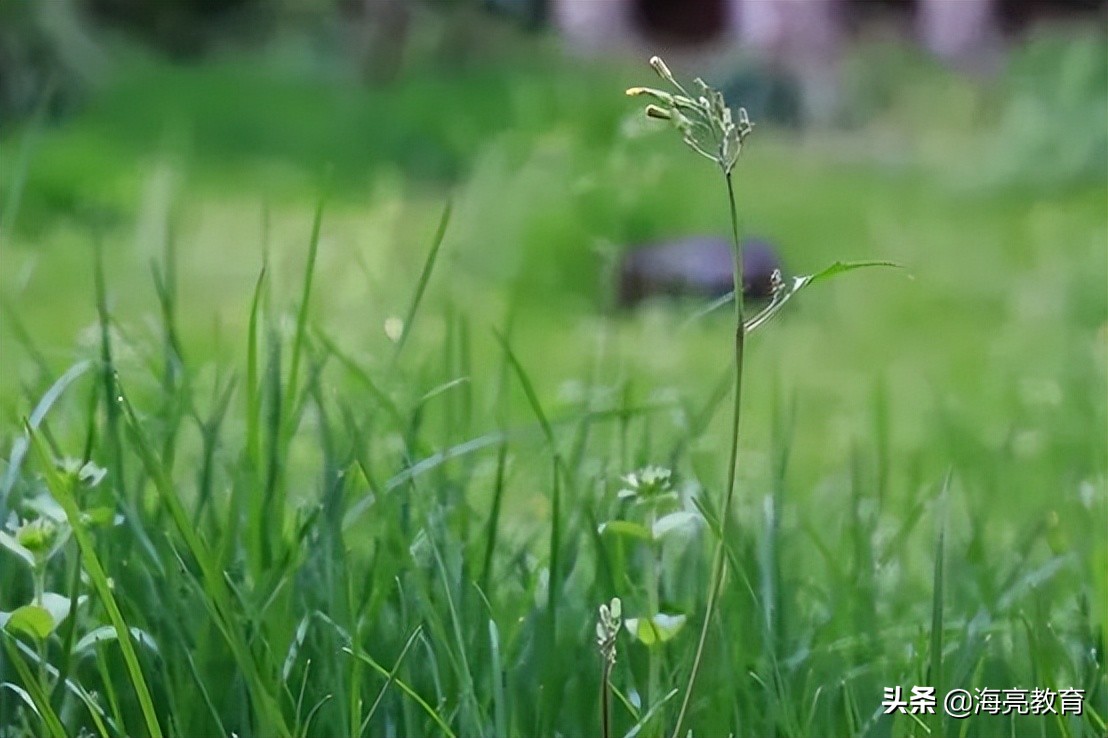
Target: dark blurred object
[(769, 96), (187, 28), (670, 22), (697, 266), (48, 58), (381, 30), (533, 14)]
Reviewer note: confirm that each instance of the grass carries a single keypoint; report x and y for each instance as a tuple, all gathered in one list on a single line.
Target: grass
[(323, 535)]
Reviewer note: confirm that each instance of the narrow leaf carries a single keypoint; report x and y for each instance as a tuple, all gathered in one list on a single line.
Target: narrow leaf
[(839, 267), (626, 528), (33, 620), (676, 521)]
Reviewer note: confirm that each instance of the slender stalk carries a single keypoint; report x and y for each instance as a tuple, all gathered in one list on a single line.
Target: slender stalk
[(39, 577), (653, 606), (719, 561), (607, 630), (605, 700)]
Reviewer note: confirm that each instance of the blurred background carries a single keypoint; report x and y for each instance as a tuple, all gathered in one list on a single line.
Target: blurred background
[(965, 139)]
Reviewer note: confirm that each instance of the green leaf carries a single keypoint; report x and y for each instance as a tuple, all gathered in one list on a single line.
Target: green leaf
[(39, 619), (62, 488), (22, 444), (424, 278), (675, 522), (839, 267), (786, 293), (104, 515), (659, 628), (48, 507), (23, 695), (31, 619), (109, 633), (625, 528), (33, 689), (8, 541), (59, 605)]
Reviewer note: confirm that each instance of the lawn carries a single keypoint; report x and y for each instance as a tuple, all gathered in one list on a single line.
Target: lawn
[(349, 365)]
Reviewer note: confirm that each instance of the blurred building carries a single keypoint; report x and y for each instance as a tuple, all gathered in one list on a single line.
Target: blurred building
[(951, 29), (802, 40)]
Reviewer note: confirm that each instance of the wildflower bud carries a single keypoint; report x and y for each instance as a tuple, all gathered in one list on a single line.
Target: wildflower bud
[(607, 628), (660, 95), (744, 125), (661, 68), (37, 536)]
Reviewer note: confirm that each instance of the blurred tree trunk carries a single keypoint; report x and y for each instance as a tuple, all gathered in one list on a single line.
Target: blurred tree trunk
[(460, 40), (49, 58), (385, 30)]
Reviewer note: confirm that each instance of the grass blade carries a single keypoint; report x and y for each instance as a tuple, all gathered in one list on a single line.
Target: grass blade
[(34, 693), (20, 445), (253, 401), (935, 669), (214, 584), (403, 686), (62, 490), (424, 278), (302, 312)]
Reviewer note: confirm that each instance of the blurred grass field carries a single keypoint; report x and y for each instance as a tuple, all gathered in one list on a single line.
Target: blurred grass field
[(402, 505)]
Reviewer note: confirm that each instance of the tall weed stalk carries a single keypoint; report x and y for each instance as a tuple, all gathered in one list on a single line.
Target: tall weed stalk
[(709, 127)]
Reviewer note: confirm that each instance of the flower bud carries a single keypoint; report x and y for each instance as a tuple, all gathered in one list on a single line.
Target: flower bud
[(37, 536), (661, 68)]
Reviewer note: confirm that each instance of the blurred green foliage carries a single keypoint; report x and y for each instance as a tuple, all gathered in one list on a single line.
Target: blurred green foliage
[(1052, 128), (233, 118)]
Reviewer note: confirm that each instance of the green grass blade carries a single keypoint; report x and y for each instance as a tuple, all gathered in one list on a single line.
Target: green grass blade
[(62, 490), (379, 395), (470, 692), (22, 163), (253, 401), (302, 312), (389, 680), (529, 392), (21, 444), (493, 527), (23, 336), (646, 718), (214, 584), (33, 690), (424, 278), (496, 670), (404, 687), (551, 635), (935, 668)]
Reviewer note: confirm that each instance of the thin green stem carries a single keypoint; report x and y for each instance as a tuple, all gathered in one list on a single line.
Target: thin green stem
[(605, 700), (652, 608), (39, 577), (719, 561)]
